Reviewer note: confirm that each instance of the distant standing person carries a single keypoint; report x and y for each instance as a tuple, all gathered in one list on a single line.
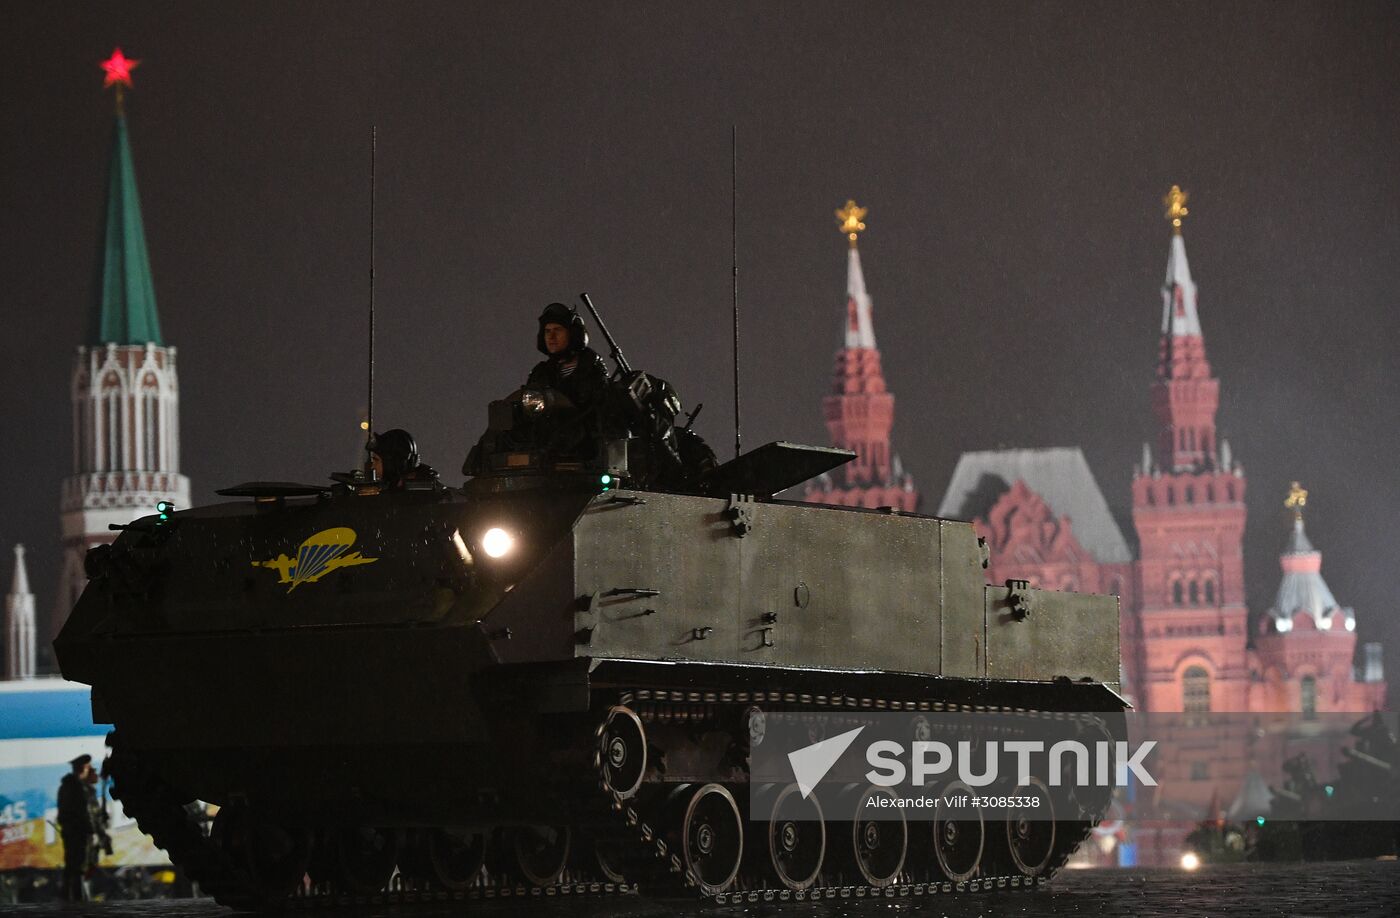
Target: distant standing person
[(77, 811)]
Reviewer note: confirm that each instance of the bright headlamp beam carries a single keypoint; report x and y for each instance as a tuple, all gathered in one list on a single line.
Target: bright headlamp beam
[(497, 543)]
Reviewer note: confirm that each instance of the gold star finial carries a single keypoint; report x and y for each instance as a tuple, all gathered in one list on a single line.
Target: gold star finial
[(850, 218), (1297, 500), (1175, 202)]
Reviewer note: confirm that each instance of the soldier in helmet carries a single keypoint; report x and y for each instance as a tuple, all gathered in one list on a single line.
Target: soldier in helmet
[(394, 455), (562, 405), (572, 376)]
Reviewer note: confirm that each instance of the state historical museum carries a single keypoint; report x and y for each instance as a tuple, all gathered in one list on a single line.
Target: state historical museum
[(1187, 642)]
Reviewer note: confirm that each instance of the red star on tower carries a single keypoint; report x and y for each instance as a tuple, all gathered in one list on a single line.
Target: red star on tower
[(118, 68)]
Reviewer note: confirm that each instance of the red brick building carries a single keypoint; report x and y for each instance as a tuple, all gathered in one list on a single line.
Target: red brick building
[(1185, 625), (1185, 622)]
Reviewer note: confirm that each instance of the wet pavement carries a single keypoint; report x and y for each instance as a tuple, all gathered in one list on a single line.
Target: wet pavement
[(1367, 889)]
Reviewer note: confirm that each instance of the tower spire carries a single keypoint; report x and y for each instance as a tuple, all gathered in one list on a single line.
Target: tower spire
[(19, 623), (860, 410), (125, 307), (860, 322), (1179, 317), (1185, 395)]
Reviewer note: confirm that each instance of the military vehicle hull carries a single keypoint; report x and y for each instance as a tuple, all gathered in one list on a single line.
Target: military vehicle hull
[(370, 682)]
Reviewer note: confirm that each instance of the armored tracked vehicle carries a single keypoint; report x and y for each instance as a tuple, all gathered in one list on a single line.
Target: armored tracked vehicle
[(551, 680)]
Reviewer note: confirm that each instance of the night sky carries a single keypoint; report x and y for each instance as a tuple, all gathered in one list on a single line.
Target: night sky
[(1013, 157)]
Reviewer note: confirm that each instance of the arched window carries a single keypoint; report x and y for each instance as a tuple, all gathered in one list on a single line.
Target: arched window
[(1210, 592), (1190, 493), (1195, 594), (1195, 690), (1171, 495), (1178, 598), (113, 458), (1308, 696), (1115, 586), (86, 459), (150, 412)]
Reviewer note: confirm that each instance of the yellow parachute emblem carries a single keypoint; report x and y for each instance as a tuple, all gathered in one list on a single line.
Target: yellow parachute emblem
[(316, 557)]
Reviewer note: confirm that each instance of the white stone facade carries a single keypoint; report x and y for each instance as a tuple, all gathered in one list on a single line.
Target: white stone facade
[(126, 451)]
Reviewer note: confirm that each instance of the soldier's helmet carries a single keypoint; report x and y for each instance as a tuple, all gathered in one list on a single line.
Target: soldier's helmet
[(568, 317), (397, 450)]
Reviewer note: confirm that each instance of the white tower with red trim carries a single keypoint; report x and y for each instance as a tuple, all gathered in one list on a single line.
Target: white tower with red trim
[(125, 391)]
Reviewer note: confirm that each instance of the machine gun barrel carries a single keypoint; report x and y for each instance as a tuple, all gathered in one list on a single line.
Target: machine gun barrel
[(616, 354)]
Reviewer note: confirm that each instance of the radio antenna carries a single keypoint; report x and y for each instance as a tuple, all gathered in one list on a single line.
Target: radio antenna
[(734, 263), (369, 419)]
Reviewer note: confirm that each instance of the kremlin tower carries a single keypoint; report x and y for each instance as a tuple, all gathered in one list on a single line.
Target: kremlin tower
[(860, 410), (125, 391), (1188, 510)]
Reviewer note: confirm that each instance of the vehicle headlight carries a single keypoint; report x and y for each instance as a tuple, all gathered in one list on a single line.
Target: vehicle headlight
[(497, 543)]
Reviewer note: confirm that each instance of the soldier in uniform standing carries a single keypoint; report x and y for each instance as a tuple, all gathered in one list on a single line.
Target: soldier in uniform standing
[(79, 822)]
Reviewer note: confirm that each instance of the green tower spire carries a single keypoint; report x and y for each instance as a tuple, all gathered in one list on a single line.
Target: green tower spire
[(126, 298)]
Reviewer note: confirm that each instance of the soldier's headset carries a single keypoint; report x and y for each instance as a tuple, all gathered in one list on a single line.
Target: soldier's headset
[(570, 319), (395, 447)]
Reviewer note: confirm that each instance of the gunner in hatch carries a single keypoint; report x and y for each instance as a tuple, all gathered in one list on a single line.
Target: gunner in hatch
[(573, 377)]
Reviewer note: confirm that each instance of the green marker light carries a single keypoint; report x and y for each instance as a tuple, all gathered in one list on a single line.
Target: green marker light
[(606, 480), (1259, 820)]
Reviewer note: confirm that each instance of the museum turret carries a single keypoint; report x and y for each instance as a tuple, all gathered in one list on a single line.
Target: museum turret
[(1306, 643)]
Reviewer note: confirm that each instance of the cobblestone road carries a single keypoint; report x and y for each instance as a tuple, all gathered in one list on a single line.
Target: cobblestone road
[(1370, 889)]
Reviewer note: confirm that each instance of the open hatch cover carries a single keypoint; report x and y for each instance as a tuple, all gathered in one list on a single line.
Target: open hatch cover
[(774, 467), (256, 489)]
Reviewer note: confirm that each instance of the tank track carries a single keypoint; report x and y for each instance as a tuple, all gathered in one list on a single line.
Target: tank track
[(684, 705), (161, 813)]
